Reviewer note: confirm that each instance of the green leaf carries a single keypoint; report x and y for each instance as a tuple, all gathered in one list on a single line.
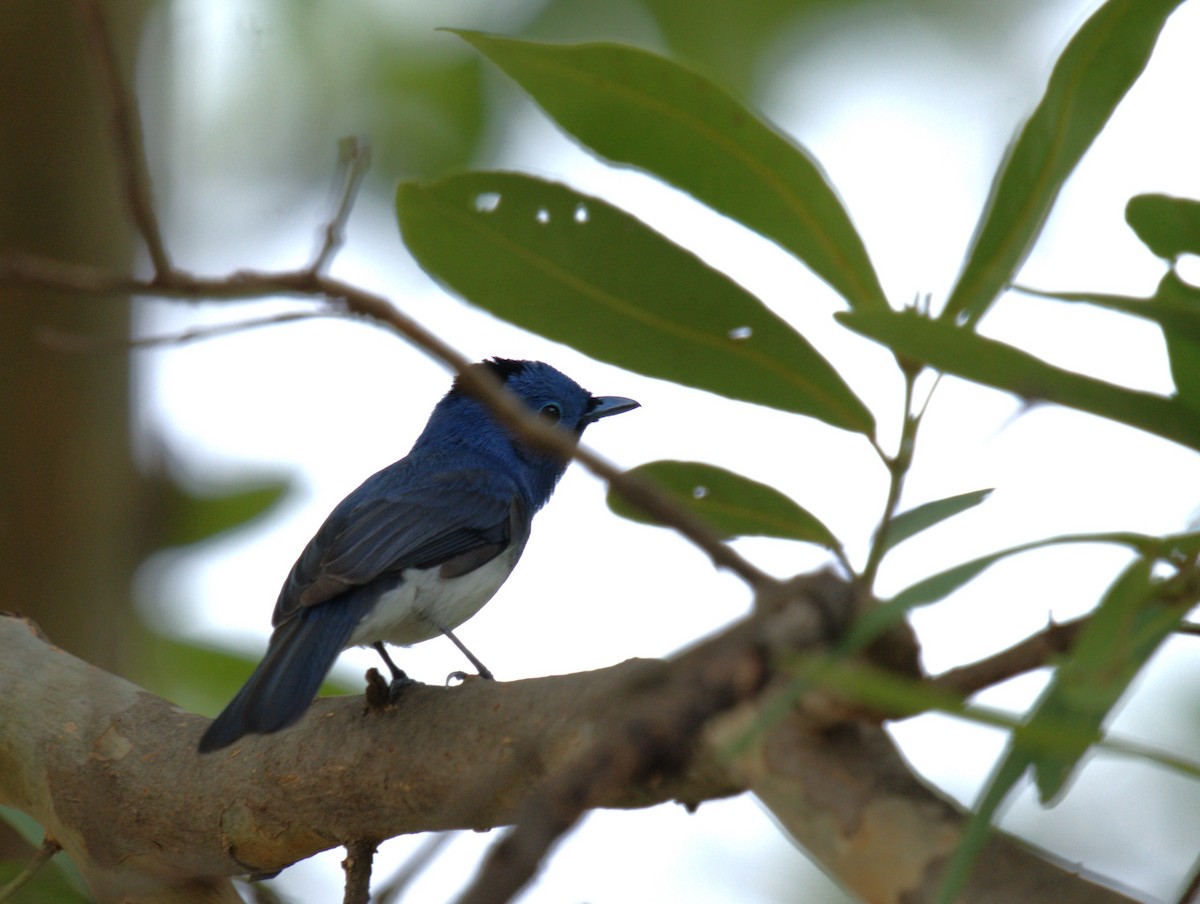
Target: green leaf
[(937, 587), (1168, 226), (1183, 352), (49, 886), (925, 516), (979, 825), (635, 108), (1175, 305), (734, 505), (1100, 64), (958, 350), (1125, 630), (580, 271), (200, 678), (193, 517)]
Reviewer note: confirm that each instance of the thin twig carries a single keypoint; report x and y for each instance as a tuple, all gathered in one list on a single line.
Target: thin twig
[(1025, 656), (359, 857), (898, 466), (354, 157), (73, 342), (248, 284), (127, 133), (45, 853), (430, 848)]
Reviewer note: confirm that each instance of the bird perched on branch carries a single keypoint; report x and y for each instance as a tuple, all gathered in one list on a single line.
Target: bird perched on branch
[(417, 549)]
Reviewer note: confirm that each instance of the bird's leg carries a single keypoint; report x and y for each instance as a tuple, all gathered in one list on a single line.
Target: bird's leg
[(482, 669), (397, 672), (400, 679)]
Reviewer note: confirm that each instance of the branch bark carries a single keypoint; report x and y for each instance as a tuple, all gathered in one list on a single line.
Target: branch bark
[(111, 771)]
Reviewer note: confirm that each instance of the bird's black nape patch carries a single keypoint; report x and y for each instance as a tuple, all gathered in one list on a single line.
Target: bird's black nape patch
[(502, 369)]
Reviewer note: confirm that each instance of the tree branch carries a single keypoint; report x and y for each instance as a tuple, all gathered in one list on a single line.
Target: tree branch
[(126, 131), (846, 795), (112, 771)]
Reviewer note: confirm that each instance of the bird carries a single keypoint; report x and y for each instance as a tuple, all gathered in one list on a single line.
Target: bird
[(417, 549)]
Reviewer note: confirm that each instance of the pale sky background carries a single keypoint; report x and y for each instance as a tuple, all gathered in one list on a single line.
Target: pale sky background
[(909, 130)]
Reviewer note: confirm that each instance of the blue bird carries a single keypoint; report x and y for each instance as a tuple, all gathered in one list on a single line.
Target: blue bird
[(417, 549)]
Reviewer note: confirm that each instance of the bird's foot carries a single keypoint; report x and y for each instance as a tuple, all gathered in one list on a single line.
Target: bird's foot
[(381, 693), (377, 693), (464, 677)]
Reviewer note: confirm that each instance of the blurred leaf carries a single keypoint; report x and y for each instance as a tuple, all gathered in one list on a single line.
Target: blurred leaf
[(582, 272), (1100, 64), (1168, 226), (736, 506), (192, 517), (24, 825), (633, 107), (1125, 630), (58, 881), (958, 350), (199, 678), (925, 516), (732, 37), (429, 116), (49, 886)]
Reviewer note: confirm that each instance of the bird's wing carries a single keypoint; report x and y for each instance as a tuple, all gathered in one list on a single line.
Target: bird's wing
[(458, 520)]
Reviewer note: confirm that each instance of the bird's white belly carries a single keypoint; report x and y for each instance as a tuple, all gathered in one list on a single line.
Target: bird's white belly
[(425, 602)]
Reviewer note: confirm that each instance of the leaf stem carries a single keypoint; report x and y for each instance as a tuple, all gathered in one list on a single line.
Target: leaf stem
[(898, 466)]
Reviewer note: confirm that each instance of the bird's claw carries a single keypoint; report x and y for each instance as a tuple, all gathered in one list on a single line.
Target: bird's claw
[(378, 693), (381, 693), (464, 677)]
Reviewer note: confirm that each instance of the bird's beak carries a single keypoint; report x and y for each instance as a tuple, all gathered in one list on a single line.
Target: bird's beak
[(603, 406)]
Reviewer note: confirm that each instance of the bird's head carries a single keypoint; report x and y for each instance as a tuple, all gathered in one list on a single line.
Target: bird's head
[(546, 391), (554, 395)]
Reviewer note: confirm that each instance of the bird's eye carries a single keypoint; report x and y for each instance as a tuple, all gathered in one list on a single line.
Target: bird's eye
[(551, 412)]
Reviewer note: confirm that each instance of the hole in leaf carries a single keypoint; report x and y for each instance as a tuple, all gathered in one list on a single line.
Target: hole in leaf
[(699, 492), (581, 213), (542, 215), (487, 201), (741, 332)]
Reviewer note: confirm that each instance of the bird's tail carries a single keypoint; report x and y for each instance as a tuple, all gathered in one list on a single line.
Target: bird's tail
[(300, 654)]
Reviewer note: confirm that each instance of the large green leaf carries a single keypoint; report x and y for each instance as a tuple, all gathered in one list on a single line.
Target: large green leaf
[(1168, 226), (958, 350), (580, 271), (912, 522), (633, 107), (734, 505), (1100, 64)]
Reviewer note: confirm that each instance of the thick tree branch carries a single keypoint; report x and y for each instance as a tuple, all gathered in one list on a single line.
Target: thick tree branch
[(112, 772), (845, 793)]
